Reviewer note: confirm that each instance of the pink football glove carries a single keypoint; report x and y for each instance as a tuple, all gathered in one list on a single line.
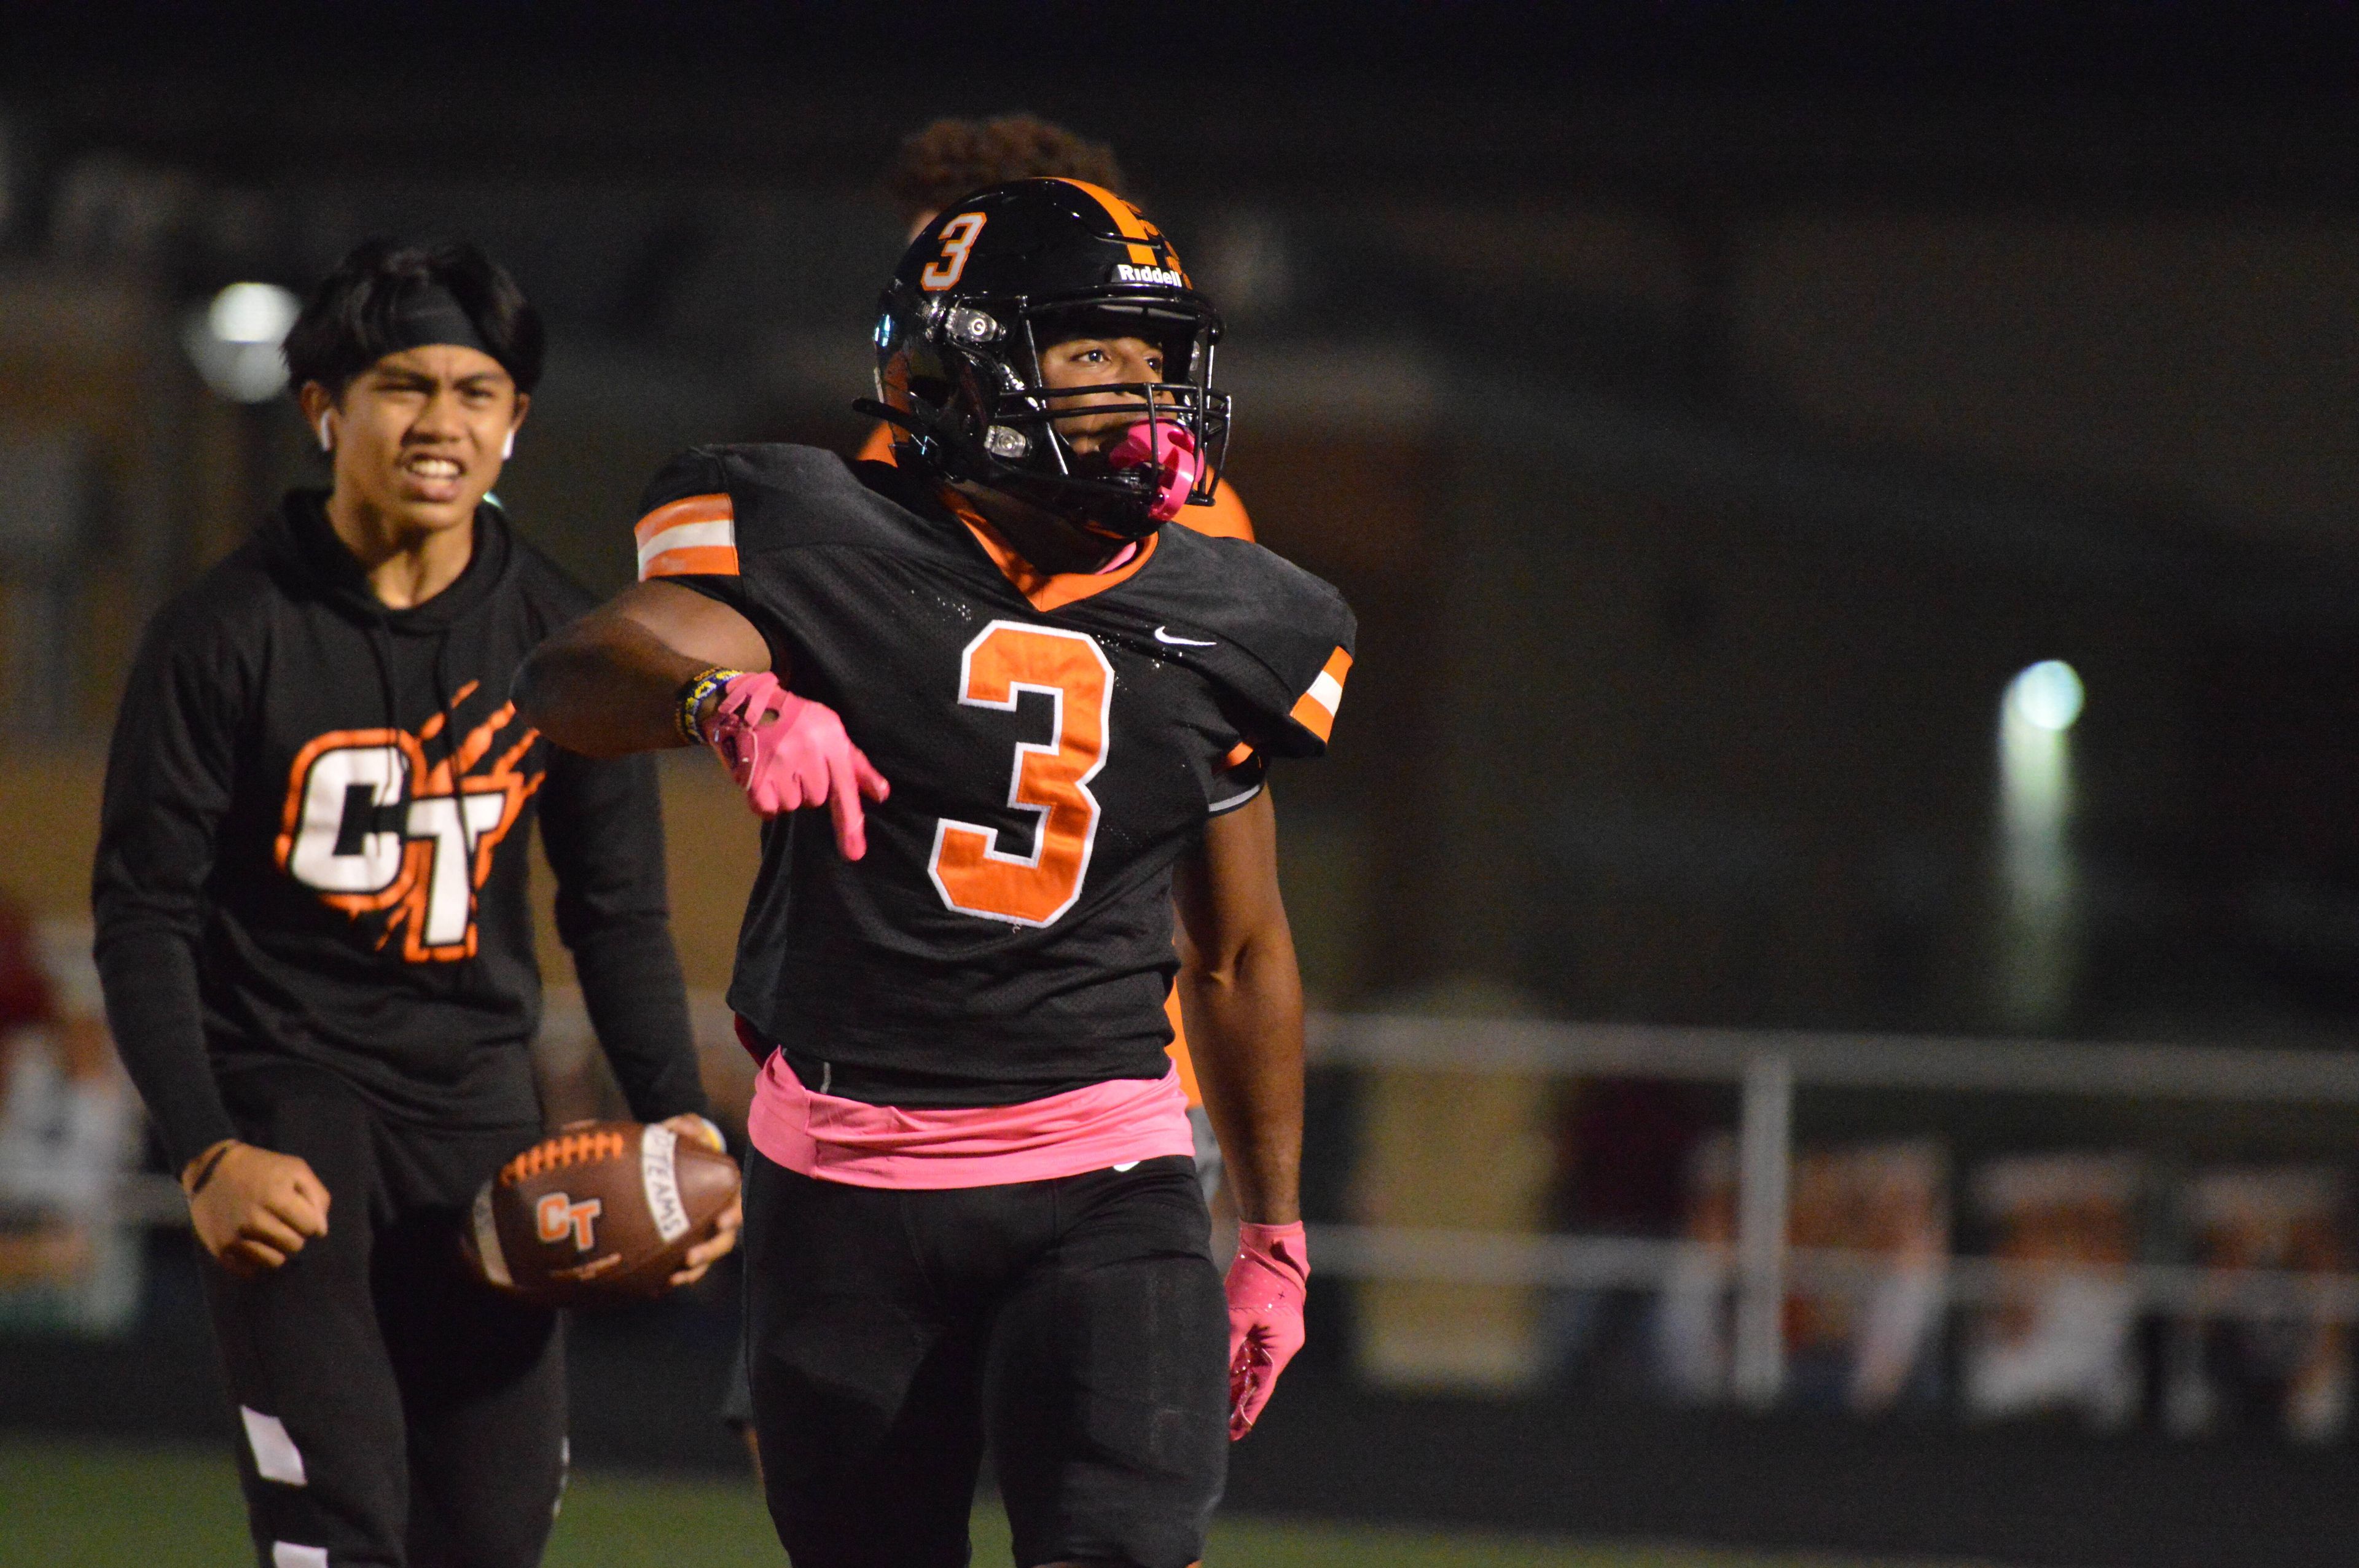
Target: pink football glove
[(1267, 1284), (788, 751)]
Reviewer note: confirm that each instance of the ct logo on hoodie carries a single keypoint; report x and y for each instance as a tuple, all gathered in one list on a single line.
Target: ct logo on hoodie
[(373, 827)]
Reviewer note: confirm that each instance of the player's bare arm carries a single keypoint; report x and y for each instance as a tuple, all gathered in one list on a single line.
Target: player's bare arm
[(663, 665), (1241, 995), (609, 685)]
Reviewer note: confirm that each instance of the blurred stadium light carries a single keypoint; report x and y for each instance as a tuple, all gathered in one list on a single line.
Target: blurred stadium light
[(2048, 695), (234, 342), (2039, 952)]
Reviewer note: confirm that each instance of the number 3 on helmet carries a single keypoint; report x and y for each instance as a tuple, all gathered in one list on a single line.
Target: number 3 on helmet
[(958, 239), (1009, 271)]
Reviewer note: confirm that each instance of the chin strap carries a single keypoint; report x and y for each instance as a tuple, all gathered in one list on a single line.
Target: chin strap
[(1164, 444), (917, 424), (951, 455)]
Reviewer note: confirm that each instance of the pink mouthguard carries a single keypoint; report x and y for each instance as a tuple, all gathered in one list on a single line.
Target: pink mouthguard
[(1173, 453)]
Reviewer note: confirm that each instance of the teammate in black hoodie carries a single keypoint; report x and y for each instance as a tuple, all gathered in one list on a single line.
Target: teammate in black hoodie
[(317, 949)]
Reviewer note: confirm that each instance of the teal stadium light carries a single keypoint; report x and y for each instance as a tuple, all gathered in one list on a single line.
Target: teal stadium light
[(2047, 696), (2039, 907), (234, 342)]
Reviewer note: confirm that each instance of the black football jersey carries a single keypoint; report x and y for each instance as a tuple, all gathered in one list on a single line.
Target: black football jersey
[(1054, 744)]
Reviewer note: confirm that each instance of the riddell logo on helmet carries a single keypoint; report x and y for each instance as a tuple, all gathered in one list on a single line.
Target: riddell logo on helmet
[(1124, 272)]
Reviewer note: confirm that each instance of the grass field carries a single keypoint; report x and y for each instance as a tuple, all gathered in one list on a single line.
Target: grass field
[(78, 1505)]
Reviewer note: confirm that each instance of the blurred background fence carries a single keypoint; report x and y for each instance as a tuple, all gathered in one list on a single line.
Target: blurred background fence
[(1864, 1305)]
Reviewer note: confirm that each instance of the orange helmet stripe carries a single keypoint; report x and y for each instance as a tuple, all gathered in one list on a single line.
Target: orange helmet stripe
[(1143, 235)]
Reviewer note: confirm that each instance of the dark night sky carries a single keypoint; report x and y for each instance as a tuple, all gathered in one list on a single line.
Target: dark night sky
[(2214, 50)]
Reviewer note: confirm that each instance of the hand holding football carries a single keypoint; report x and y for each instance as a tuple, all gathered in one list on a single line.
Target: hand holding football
[(603, 1211)]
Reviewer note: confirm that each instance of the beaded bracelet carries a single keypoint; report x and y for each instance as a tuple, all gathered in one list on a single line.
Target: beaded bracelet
[(692, 693)]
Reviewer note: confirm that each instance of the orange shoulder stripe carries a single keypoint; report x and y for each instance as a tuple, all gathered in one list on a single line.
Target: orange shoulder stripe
[(693, 536), (1315, 708), (693, 560), (687, 509)]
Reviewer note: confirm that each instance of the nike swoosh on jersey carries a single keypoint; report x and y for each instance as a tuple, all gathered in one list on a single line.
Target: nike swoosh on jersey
[(1163, 636)]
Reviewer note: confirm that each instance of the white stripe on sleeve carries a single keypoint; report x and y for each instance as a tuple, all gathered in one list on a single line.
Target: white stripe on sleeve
[(688, 536)]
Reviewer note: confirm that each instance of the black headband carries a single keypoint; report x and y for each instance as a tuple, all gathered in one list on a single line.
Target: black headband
[(433, 315)]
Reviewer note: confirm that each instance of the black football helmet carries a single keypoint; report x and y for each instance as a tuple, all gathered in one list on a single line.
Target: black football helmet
[(1013, 270)]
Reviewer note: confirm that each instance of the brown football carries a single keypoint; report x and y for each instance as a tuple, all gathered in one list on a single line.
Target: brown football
[(602, 1211)]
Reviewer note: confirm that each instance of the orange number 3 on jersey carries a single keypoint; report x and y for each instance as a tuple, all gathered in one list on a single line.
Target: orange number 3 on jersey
[(970, 869), (958, 238)]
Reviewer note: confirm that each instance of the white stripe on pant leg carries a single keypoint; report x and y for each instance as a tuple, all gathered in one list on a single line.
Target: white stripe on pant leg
[(287, 1554), (275, 1453)]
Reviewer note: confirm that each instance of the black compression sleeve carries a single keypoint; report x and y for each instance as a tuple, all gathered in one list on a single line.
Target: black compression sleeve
[(168, 785), (150, 981), (601, 823)]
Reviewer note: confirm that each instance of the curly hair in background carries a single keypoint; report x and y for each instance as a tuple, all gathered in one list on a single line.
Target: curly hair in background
[(952, 158)]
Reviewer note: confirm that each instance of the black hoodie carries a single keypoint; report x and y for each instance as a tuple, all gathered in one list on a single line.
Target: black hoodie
[(313, 846)]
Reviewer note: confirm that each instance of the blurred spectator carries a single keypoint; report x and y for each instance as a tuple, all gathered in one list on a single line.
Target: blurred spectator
[(1895, 1206), (1692, 1324), (1622, 1152), (67, 1131), (2062, 1338), (1870, 1226), (2264, 1357)]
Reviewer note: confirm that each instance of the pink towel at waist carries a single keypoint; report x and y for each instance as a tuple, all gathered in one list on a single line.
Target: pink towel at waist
[(836, 1140)]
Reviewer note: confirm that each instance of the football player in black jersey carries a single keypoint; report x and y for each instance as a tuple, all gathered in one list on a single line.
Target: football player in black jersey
[(971, 1210)]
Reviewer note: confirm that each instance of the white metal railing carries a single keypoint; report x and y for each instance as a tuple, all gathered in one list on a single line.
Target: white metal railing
[(2198, 1072), (1767, 1066), (1631, 1262)]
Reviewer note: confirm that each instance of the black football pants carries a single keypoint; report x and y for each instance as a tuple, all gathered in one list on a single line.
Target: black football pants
[(1079, 1323), (393, 1412)]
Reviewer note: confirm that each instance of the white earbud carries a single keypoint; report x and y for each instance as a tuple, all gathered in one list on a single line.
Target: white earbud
[(507, 447), (326, 445)]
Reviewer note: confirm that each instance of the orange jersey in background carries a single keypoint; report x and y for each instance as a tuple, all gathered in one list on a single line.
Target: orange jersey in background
[(1224, 519)]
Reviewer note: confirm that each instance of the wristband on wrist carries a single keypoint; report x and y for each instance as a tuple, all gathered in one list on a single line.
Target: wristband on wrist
[(220, 1153), (692, 693)]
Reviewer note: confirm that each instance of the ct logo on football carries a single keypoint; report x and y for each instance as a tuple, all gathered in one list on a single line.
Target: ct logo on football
[(556, 1217), (375, 829)]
